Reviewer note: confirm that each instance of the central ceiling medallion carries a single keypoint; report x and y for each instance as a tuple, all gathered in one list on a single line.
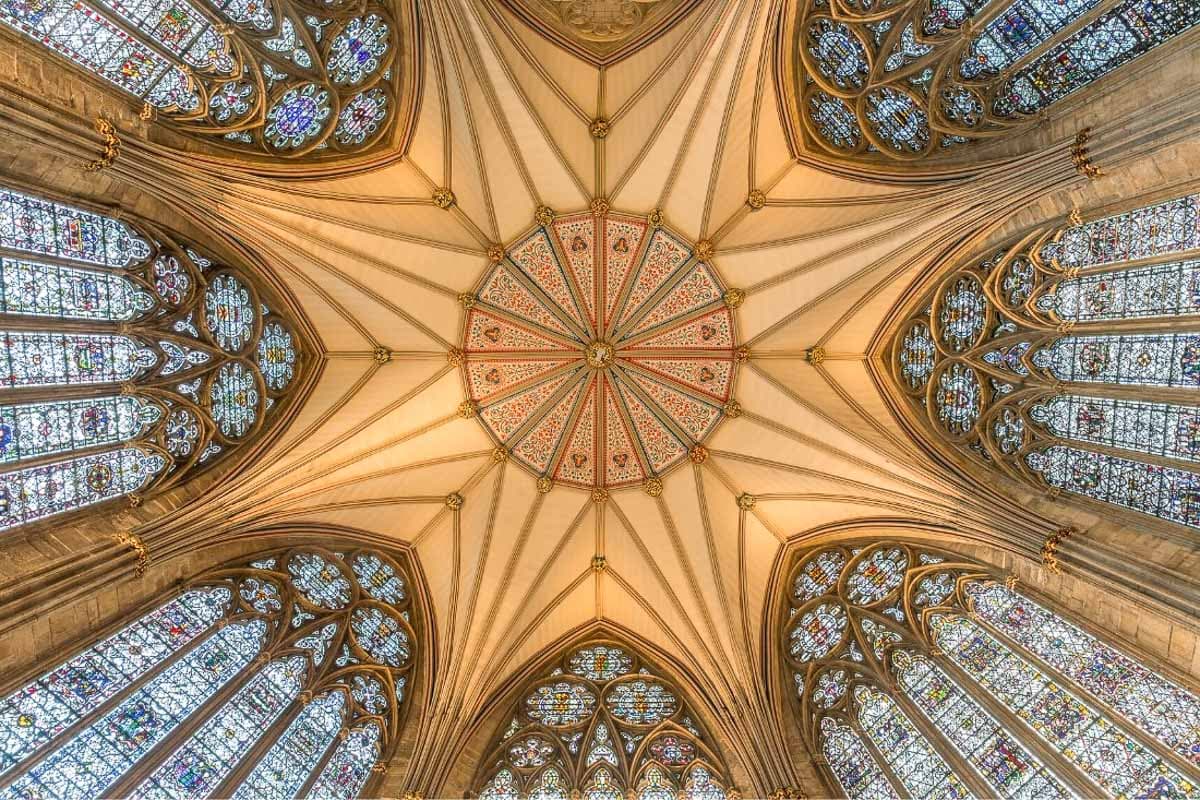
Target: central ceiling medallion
[(600, 350)]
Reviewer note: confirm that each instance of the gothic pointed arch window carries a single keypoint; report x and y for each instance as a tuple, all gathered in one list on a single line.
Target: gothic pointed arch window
[(602, 725), (907, 80), (130, 359), (1070, 360), (918, 673), (283, 675), (276, 78)]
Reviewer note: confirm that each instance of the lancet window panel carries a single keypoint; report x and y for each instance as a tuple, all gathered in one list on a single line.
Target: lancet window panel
[(129, 359), (919, 673), (280, 78), (888, 80), (602, 725), (1069, 359), (283, 675)]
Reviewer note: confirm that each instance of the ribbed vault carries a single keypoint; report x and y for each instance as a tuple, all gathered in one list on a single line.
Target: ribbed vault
[(509, 124)]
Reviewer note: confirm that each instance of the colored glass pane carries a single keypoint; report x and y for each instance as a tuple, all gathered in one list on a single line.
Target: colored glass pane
[(852, 764), (959, 398), (380, 636), (1009, 768), (40, 429), (962, 313), (49, 359), (1017, 31), (911, 757), (37, 492), (37, 713), (1167, 711), (1169, 227), (818, 632), (357, 49), (1162, 290), (917, 355), (378, 578), (600, 663), (640, 702), (196, 769), (47, 290), (94, 759), (876, 576), (229, 312), (276, 356), (1092, 741), (287, 765), (561, 704), (234, 397), (36, 225), (319, 581), (819, 574), (1162, 429), (348, 768), (1167, 493), (897, 119), (1171, 359)]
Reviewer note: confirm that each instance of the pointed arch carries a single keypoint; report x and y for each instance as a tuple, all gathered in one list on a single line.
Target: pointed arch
[(914, 671), (597, 720), (283, 673), (1067, 359), (133, 358)]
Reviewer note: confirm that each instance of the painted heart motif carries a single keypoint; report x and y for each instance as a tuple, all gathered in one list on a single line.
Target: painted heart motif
[(492, 334), (579, 460), (621, 245), (493, 376), (579, 245), (621, 459), (707, 332), (707, 375)]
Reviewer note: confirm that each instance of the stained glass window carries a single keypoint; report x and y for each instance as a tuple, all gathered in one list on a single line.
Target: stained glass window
[(182, 319), (209, 66), (989, 695), (603, 725), (286, 699), (1033, 378), (914, 79)]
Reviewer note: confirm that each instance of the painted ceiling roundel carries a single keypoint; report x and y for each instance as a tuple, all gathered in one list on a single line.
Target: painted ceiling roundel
[(600, 349)]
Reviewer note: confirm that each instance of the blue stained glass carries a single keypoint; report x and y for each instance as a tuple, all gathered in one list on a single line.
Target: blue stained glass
[(38, 429), (38, 492), (39, 712), (298, 117), (50, 359), (350, 765), (283, 770), (361, 116), (34, 225), (47, 290), (93, 760), (1100, 747), (1016, 31), (180, 28), (1167, 493), (196, 769), (356, 51), (1165, 710), (1116, 37)]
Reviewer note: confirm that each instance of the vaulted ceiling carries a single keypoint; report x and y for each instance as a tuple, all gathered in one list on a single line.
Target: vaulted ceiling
[(379, 262)]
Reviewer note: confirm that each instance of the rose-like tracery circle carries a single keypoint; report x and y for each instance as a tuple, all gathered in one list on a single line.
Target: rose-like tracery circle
[(600, 350)]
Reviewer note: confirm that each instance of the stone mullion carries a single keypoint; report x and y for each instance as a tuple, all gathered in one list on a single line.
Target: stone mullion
[(1149, 742), (262, 745), (128, 270), (1046, 440), (1077, 783), (323, 761), (876, 755), (1178, 395), (67, 455), (95, 714), (1189, 254)]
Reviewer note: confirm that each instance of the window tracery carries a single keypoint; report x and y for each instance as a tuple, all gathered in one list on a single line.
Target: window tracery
[(281, 78), (246, 684), (130, 360), (913, 79), (602, 725), (947, 683), (1069, 359)]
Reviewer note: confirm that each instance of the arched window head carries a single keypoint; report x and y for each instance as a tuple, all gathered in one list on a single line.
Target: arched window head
[(908, 80), (130, 359), (276, 78), (281, 676), (917, 673), (1070, 359), (601, 725)]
